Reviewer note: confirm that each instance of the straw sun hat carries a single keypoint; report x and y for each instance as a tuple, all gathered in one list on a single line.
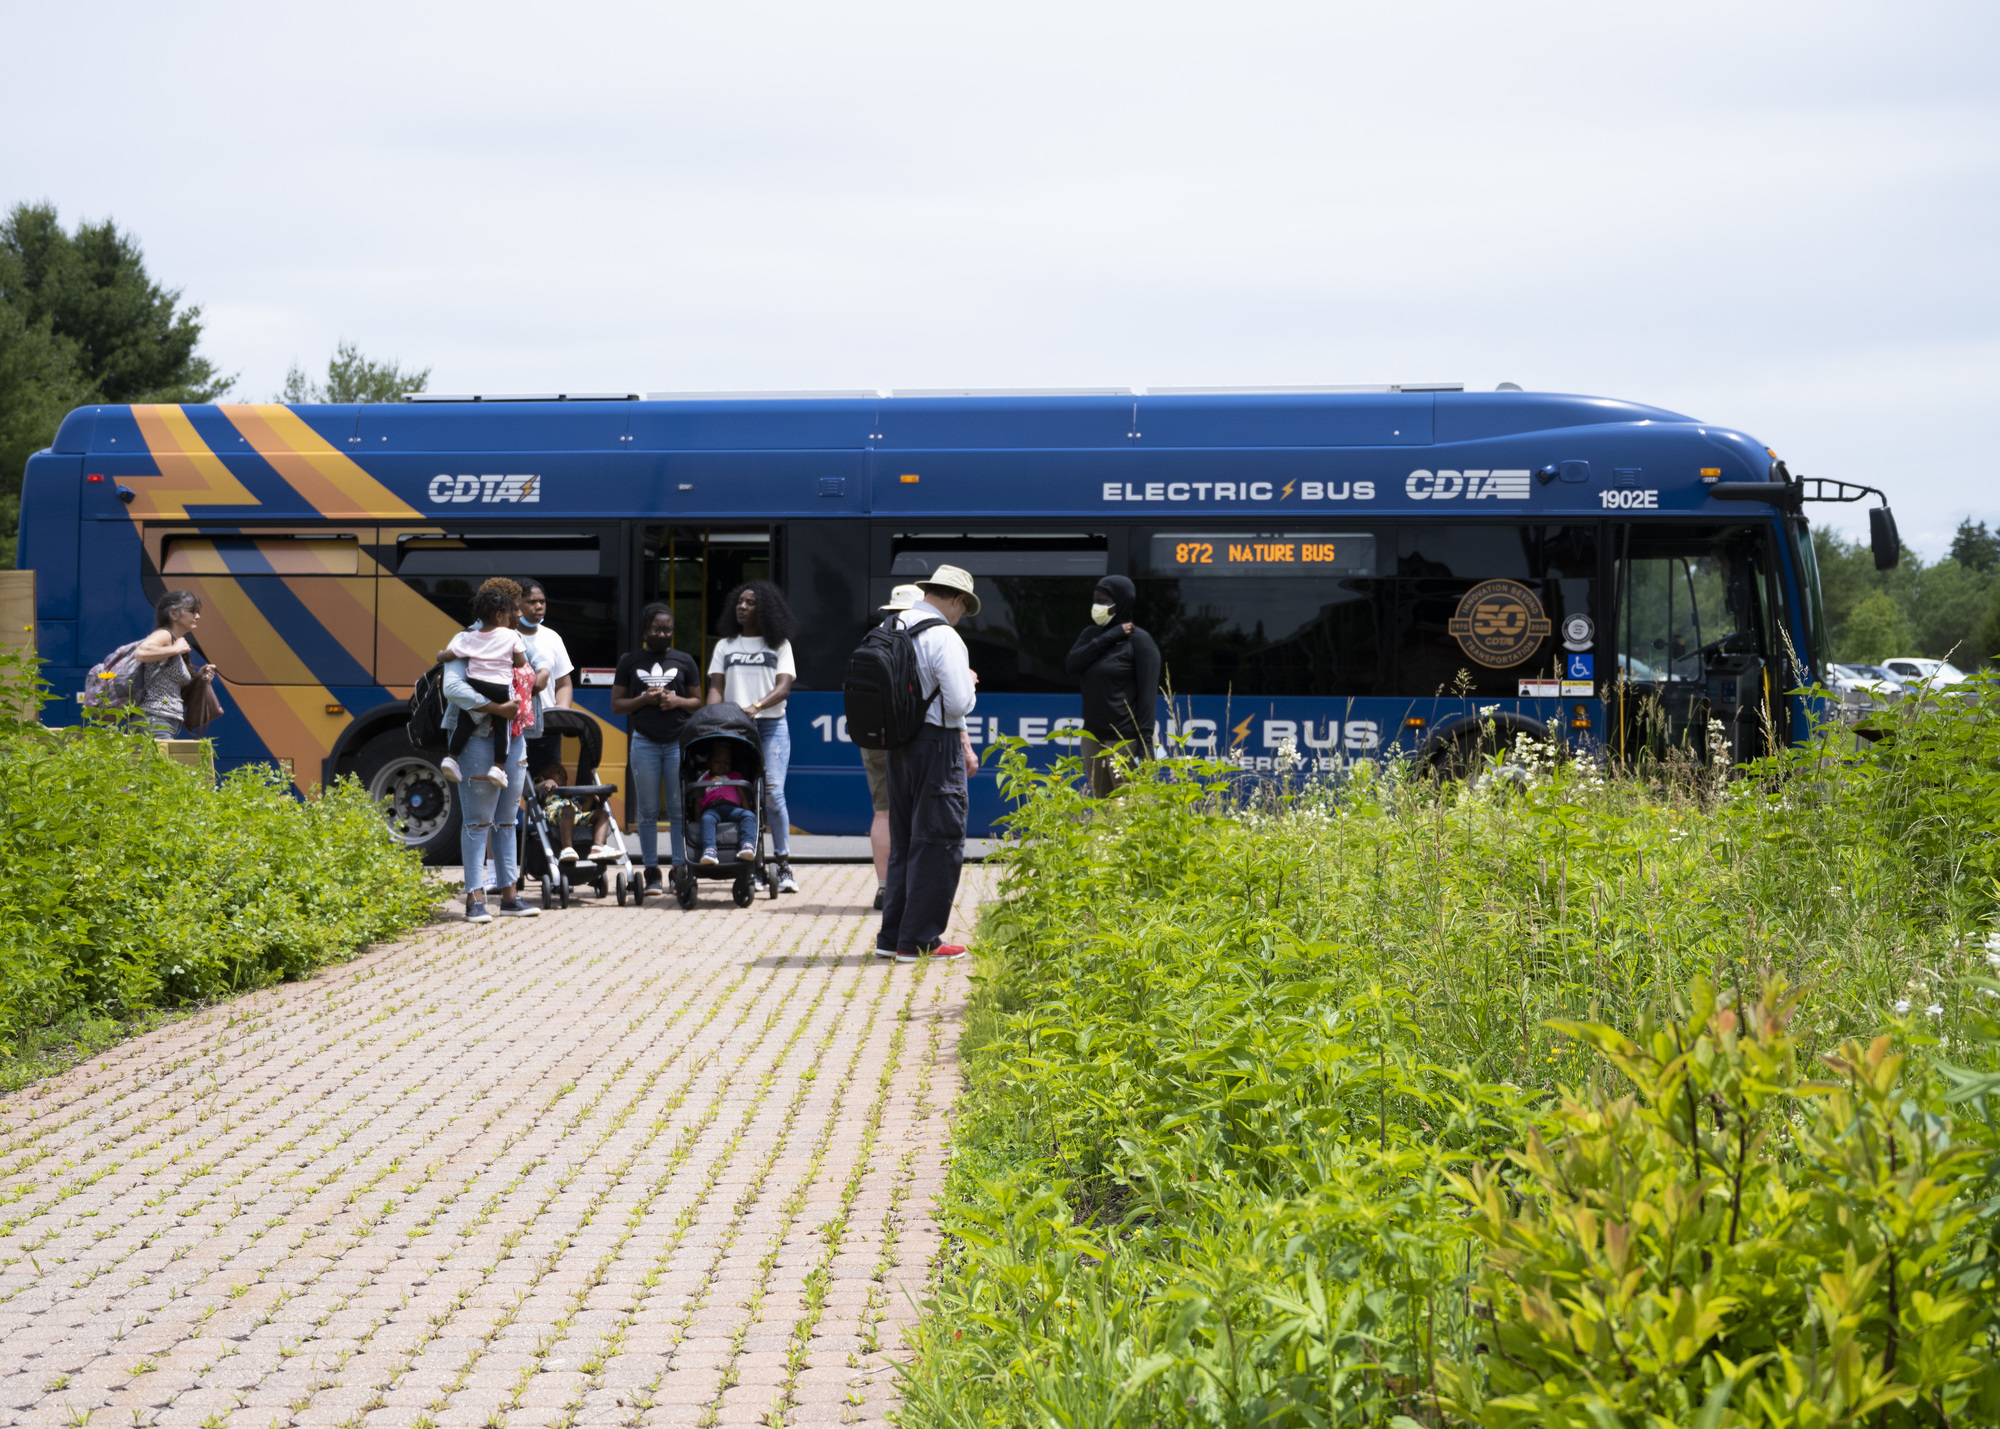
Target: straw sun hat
[(955, 579)]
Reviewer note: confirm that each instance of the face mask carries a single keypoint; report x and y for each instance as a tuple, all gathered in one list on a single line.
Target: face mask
[(1101, 614), (658, 642), (527, 624)]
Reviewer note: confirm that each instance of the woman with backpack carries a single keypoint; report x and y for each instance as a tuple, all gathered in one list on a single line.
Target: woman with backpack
[(164, 684), (753, 667)]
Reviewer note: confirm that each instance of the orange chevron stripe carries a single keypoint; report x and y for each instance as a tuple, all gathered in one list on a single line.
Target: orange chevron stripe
[(236, 636), (293, 724), (409, 632), (346, 607), (190, 474), (326, 477)]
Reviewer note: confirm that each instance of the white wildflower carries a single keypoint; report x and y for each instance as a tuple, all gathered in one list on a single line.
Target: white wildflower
[(1902, 1004), (1936, 1009), (1993, 959)]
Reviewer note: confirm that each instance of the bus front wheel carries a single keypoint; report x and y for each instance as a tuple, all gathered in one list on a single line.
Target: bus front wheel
[(413, 794)]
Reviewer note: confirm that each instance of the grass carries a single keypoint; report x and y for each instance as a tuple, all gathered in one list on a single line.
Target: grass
[(1330, 1106)]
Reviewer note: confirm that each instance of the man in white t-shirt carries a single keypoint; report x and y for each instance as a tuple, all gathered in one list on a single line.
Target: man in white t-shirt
[(753, 667)]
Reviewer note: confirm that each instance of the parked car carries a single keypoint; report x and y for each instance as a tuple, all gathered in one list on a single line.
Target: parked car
[(1862, 688), (1914, 670)]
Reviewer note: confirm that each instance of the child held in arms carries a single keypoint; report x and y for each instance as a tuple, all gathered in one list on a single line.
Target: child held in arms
[(723, 799), (496, 665)]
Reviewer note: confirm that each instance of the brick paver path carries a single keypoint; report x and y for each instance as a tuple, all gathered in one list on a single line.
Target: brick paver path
[(598, 1167)]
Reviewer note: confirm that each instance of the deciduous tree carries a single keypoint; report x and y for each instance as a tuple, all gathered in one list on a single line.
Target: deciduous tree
[(351, 377)]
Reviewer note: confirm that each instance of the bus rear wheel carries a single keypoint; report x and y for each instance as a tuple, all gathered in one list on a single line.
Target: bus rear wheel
[(420, 804)]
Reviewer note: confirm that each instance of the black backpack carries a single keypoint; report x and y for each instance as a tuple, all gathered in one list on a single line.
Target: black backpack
[(426, 726), (884, 692)]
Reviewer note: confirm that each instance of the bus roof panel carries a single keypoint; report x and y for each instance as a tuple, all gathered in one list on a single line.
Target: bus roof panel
[(1005, 423), (1471, 416), (767, 424), (499, 427), (1372, 419)]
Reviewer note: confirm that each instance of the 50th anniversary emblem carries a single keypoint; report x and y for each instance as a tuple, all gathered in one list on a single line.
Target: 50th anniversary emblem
[(1500, 623)]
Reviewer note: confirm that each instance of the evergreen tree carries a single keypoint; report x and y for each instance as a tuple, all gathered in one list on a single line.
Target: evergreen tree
[(81, 321), (132, 339), (1976, 548)]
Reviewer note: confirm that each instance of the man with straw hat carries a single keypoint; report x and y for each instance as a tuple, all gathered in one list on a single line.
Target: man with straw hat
[(927, 778)]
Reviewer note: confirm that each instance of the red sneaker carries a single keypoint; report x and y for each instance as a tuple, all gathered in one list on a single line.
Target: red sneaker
[(947, 950)]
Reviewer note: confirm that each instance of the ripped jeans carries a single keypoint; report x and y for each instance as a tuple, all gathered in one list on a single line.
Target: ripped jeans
[(490, 809)]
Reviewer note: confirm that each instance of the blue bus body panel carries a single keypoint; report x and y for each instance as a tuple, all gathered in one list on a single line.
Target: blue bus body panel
[(1257, 462)]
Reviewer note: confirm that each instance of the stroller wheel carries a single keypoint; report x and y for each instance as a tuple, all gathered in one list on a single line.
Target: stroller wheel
[(562, 890), (683, 886), (741, 889), (620, 881), (548, 893), (770, 883)]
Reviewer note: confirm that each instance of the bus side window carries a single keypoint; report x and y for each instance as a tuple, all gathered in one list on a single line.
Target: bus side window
[(1480, 608)]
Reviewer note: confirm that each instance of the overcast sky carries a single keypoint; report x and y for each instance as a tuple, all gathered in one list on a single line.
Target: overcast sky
[(1777, 217)]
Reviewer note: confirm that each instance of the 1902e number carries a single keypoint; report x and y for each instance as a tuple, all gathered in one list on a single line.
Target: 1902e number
[(1625, 498)]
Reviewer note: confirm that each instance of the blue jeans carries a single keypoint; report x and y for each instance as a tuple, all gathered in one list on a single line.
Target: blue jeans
[(656, 766), (775, 735), (745, 821), (490, 809)]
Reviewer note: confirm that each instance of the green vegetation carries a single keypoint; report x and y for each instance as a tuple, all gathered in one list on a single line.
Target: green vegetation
[(130, 883), (82, 321), (1563, 1099), (1949, 609), (351, 377)]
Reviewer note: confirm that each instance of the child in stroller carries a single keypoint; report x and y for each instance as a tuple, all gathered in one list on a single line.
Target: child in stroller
[(721, 756), (720, 792), (548, 823)]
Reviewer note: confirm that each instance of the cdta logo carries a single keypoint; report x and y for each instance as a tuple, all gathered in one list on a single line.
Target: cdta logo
[(447, 489), (1472, 485)]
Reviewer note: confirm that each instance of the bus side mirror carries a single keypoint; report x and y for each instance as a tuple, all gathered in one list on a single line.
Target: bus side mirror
[(1882, 538)]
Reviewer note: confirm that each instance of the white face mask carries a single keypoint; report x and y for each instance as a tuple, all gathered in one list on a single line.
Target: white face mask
[(1101, 614)]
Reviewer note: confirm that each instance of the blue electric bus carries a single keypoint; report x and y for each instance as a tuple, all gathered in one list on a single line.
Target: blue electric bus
[(1331, 575)]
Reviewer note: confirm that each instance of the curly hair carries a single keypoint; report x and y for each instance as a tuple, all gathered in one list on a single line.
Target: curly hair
[(499, 596), (775, 621)]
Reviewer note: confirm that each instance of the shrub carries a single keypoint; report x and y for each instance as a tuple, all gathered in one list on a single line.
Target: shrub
[(128, 881), (1314, 1109)]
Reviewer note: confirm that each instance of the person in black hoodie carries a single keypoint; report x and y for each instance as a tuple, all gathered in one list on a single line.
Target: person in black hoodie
[(1119, 666)]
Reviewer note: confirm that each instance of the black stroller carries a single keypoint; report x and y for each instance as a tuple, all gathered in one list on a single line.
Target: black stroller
[(704, 728), (541, 844)]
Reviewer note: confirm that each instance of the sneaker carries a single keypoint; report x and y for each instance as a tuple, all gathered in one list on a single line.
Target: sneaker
[(568, 855), (652, 878), (907, 955), (449, 768), (495, 775), (880, 894), (600, 854), (708, 858), (891, 954), (518, 908), (746, 854), (947, 950), (476, 913), (786, 883)]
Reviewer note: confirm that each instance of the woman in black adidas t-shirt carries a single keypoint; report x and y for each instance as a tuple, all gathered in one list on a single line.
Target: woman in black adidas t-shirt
[(655, 689)]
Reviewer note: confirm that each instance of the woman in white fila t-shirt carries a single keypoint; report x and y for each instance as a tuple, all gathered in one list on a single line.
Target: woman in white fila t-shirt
[(753, 667)]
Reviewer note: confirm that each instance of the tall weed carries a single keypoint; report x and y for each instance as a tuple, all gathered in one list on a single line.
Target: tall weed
[(1276, 1107)]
